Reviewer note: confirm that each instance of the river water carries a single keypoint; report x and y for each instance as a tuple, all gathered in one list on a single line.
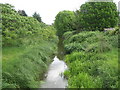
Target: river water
[(54, 76)]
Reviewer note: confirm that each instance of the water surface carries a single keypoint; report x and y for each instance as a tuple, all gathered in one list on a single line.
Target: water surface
[(55, 77)]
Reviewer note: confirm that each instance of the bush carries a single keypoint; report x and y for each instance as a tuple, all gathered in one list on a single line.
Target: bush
[(67, 35), (73, 47), (101, 69), (95, 42), (82, 80), (92, 60)]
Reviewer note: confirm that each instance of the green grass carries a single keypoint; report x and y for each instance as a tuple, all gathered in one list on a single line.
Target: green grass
[(28, 47), (101, 70), (112, 58), (25, 67), (94, 66), (9, 53)]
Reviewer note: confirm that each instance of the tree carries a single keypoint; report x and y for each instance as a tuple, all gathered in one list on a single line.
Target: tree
[(79, 23), (22, 13), (98, 15), (64, 22), (37, 16)]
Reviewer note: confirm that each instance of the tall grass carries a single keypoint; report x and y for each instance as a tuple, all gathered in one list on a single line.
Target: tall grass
[(25, 69), (28, 46), (92, 58)]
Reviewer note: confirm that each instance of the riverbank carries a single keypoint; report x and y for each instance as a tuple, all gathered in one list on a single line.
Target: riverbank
[(28, 46), (25, 67), (92, 58)]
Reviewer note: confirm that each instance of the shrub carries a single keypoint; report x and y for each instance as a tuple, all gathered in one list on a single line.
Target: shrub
[(82, 80), (73, 47)]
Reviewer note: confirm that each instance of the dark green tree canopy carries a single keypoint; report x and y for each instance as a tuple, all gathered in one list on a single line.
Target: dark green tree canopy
[(64, 22), (37, 16), (98, 15), (22, 13)]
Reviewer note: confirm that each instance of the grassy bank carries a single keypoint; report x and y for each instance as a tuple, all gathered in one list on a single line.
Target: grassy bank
[(25, 67), (92, 58), (28, 48)]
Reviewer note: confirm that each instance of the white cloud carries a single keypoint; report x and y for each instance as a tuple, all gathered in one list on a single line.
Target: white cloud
[(47, 9)]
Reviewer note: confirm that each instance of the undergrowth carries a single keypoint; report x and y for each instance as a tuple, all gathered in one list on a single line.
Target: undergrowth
[(92, 58)]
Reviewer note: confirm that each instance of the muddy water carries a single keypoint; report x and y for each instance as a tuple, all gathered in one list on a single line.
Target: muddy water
[(55, 77)]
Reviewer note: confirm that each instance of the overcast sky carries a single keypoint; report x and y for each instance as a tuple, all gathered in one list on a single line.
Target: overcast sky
[(47, 9)]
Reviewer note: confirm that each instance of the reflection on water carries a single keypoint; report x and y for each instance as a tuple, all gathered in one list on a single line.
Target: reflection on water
[(55, 78)]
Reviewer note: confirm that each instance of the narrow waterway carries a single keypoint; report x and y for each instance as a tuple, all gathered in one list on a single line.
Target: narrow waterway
[(54, 76), (61, 51)]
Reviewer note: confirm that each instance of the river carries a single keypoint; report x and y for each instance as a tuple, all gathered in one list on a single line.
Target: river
[(54, 76)]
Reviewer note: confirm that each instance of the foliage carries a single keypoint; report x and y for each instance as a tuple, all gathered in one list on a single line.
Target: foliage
[(97, 16), (92, 59), (73, 47), (82, 80), (27, 69), (67, 35), (96, 42), (81, 37), (19, 27), (64, 22), (28, 47), (37, 16), (22, 13), (97, 69), (91, 54)]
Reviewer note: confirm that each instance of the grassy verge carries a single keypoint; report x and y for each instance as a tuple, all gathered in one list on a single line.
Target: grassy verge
[(12, 52), (27, 49), (25, 67), (92, 58)]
